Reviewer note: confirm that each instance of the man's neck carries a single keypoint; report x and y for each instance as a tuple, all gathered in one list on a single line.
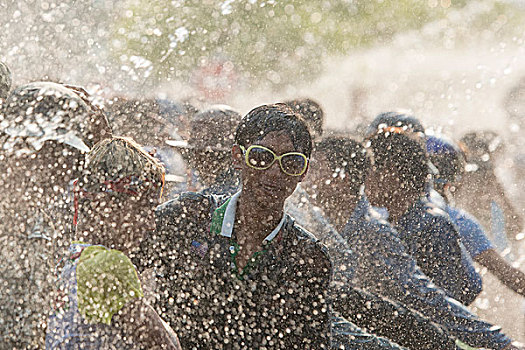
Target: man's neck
[(254, 222)]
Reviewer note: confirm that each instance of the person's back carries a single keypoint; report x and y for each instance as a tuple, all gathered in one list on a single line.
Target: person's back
[(100, 302), (432, 238), (41, 153)]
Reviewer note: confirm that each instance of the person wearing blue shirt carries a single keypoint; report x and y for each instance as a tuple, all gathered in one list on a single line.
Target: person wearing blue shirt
[(449, 160), (472, 234), (379, 261)]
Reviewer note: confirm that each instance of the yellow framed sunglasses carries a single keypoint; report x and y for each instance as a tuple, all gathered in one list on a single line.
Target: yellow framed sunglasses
[(261, 158)]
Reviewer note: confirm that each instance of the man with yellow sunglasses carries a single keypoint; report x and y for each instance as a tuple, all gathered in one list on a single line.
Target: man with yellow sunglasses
[(237, 272)]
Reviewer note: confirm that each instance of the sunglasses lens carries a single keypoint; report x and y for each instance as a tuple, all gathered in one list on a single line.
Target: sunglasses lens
[(260, 158), (293, 164)]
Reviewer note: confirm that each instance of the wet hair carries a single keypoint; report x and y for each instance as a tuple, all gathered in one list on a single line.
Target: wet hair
[(42, 111), (383, 121), (265, 119), (140, 119), (345, 155), (311, 112), (118, 158), (404, 153)]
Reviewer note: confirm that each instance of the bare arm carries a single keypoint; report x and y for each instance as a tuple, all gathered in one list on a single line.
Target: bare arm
[(144, 327), (499, 267), (513, 219)]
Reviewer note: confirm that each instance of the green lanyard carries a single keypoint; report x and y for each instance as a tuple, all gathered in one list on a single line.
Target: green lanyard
[(216, 227), (252, 262)]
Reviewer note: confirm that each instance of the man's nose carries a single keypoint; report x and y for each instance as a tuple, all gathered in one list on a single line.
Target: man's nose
[(275, 169)]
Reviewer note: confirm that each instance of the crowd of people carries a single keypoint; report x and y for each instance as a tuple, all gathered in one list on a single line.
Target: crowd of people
[(150, 224)]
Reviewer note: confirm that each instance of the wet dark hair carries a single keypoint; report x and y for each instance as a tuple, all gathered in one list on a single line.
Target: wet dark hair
[(138, 118), (265, 119), (345, 154), (406, 154), (407, 122), (311, 112)]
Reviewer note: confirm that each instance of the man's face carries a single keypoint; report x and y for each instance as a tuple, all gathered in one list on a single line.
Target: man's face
[(383, 187), (208, 163), (270, 186), (325, 184)]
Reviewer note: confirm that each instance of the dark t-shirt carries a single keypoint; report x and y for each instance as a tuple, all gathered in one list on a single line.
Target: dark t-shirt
[(281, 303)]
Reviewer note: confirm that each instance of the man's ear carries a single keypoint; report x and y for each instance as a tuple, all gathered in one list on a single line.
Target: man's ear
[(237, 157)]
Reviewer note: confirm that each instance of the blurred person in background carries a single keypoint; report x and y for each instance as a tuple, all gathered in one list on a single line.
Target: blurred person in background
[(482, 193), (495, 303), (301, 207), (138, 118), (449, 160), (151, 122), (207, 153), (45, 131), (178, 114), (312, 114), (100, 299), (397, 184)]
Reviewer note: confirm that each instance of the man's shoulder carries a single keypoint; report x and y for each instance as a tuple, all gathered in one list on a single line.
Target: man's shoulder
[(430, 216), (307, 245), (369, 220)]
